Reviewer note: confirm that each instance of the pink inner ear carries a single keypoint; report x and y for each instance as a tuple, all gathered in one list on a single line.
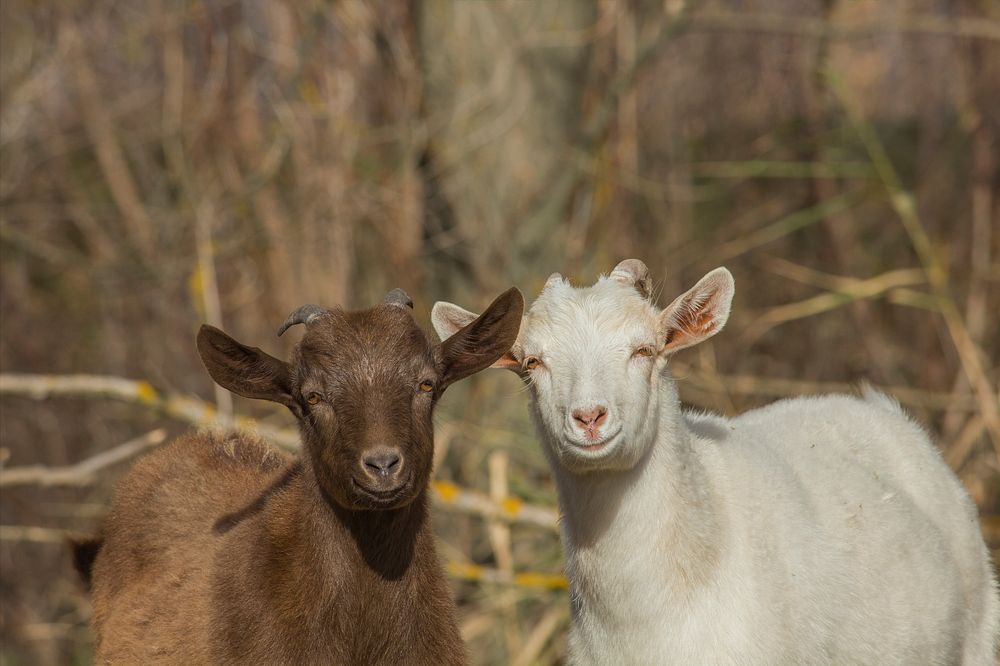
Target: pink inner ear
[(693, 321)]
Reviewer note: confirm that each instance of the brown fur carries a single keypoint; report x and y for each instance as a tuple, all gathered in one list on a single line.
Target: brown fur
[(218, 549)]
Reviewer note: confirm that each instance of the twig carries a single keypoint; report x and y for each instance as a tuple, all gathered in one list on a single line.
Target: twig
[(445, 494), (789, 224), (829, 281), (595, 128), (474, 572), (966, 27), (208, 290), (848, 291), (539, 637), (460, 570), (498, 533), (110, 157), (905, 208), (35, 534), (775, 387), (83, 472), (782, 169), (184, 408), (962, 446)]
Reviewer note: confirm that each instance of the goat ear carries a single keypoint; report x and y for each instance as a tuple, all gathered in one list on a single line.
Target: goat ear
[(699, 313), (484, 341), (244, 370), (448, 319)]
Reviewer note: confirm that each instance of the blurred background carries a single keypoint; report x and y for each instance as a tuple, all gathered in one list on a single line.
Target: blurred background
[(164, 163)]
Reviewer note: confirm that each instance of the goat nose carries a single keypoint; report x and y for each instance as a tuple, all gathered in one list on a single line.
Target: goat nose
[(382, 463), (590, 418)]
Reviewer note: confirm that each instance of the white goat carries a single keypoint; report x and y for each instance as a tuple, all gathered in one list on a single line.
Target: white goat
[(817, 530)]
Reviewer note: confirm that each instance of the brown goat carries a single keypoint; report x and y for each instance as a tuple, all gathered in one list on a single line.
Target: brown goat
[(219, 549)]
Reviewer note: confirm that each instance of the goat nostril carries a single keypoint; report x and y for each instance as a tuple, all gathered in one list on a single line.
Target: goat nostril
[(602, 414), (382, 463), (588, 418)]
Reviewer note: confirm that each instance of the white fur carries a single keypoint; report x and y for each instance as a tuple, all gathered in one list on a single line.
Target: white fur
[(821, 530)]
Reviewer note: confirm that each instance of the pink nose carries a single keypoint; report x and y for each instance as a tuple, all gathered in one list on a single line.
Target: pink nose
[(588, 419)]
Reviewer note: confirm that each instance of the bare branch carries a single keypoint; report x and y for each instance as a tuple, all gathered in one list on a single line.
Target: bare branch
[(474, 572), (847, 290), (110, 156), (35, 534), (449, 496), (777, 387), (460, 570), (541, 635), (39, 387), (83, 472), (184, 408), (965, 27), (905, 207)]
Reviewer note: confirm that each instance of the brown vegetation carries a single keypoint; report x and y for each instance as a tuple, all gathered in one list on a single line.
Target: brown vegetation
[(164, 164)]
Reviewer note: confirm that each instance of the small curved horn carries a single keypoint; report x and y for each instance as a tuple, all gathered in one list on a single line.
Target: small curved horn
[(399, 298), (304, 315), (634, 273), (553, 279)]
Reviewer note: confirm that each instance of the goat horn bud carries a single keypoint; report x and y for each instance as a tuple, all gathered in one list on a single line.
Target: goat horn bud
[(304, 315), (399, 298), (634, 273), (553, 279)]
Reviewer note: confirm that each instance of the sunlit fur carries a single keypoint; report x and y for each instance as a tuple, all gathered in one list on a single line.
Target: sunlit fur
[(586, 349), (823, 530), (218, 549)]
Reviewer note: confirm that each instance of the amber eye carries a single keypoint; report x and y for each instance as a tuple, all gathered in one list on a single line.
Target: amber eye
[(313, 398), (531, 363), (427, 386), (643, 352)]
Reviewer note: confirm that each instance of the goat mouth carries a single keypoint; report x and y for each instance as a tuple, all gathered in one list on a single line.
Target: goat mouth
[(591, 446), (382, 497)]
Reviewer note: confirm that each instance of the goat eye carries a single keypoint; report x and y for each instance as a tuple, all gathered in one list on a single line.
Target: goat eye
[(644, 351), (531, 363), (427, 386), (313, 398)]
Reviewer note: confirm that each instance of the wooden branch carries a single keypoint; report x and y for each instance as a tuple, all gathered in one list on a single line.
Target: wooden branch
[(83, 472), (536, 233), (100, 129), (459, 570), (844, 292), (183, 408), (552, 621), (35, 534), (474, 572), (790, 223), (819, 28), (780, 388), (445, 494), (206, 287), (901, 200)]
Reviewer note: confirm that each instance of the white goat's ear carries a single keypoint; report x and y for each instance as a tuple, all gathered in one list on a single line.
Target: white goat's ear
[(448, 318), (699, 313)]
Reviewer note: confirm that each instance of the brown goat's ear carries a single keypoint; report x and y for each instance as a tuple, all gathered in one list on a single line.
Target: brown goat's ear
[(448, 319), (244, 370), (482, 342)]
